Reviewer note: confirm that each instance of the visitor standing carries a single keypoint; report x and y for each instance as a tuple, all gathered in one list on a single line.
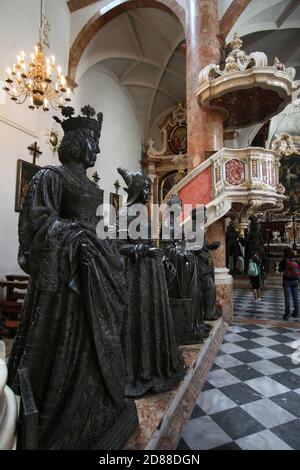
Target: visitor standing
[(254, 272), (290, 268)]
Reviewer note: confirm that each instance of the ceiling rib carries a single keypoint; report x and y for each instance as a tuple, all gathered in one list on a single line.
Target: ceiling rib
[(287, 12)]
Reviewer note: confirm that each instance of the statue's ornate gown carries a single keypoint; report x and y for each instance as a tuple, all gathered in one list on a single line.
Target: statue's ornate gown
[(153, 361), (69, 335)]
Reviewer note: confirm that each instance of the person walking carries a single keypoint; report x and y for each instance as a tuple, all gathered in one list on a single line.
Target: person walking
[(254, 272), (290, 267)]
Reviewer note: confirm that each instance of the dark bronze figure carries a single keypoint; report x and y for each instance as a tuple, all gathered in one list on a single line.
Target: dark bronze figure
[(69, 336), (233, 249), (206, 279), (254, 244), (183, 288), (153, 362)]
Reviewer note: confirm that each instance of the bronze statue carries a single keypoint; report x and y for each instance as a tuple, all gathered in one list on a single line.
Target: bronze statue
[(206, 278), (183, 288), (254, 244), (153, 361), (69, 336), (233, 249)]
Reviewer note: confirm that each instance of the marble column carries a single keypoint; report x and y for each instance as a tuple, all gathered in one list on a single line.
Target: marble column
[(224, 281), (205, 127)]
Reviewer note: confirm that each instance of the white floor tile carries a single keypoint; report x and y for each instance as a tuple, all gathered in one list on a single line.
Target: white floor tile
[(267, 386), (234, 338), (265, 341), (264, 440), (203, 434), (266, 367), (220, 378), (226, 361), (230, 348), (268, 413), (213, 401), (266, 353)]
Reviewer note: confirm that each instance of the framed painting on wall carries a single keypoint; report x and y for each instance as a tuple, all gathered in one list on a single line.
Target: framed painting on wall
[(25, 173)]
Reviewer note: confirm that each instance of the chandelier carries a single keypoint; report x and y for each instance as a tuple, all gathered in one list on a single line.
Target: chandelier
[(41, 80)]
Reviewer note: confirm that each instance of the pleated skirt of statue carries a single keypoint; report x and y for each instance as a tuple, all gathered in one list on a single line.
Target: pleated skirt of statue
[(76, 405), (152, 358)]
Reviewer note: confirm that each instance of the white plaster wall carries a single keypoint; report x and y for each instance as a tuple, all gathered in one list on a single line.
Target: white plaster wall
[(121, 137), (20, 127)]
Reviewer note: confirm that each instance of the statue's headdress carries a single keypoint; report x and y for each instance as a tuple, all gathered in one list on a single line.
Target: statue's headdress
[(135, 182), (174, 200), (86, 121)]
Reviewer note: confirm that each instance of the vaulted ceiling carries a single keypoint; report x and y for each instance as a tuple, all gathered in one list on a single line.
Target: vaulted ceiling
[(142, 49), (272, 26)]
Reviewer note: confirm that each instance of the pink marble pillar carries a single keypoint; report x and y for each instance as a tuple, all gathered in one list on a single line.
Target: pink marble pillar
[(205, 127), (216, 232)]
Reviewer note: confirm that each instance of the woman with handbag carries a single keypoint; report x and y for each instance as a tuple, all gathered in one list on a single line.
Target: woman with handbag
[(254, 272)]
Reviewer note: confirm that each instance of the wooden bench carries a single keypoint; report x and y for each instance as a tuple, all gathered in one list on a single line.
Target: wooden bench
[(12, 303)]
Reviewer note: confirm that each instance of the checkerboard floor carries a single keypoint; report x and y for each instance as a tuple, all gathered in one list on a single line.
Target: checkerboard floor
[(271, 306), (251, 399)]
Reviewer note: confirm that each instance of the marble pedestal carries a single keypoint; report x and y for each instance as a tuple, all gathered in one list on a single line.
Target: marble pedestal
[(162, 417)]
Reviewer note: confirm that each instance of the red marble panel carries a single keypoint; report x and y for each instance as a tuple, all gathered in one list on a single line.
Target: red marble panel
[(197, 191), (235, 172)]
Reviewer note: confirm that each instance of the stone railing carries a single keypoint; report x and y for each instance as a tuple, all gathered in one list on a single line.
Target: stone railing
[(8, 408), (248, 177)]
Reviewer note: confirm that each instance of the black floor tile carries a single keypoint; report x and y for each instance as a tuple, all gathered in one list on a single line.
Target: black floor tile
[(249, 334), (244, 372), (183, 445), (207, 386), (281, 338), (230, 446), (290, 401), (285, 362), (289, 433), (237, 423), (290, 380), (197, 412), (250, 327), (282, 348), (247, 344), (241, 393), (246, 356)]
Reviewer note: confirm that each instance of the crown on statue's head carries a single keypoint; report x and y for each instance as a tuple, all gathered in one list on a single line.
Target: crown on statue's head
[(86, 121)]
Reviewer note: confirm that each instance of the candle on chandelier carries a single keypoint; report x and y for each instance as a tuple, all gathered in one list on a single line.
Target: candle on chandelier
[(45, 105)]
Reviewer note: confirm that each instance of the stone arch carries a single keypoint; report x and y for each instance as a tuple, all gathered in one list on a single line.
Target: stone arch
[(98, 20)]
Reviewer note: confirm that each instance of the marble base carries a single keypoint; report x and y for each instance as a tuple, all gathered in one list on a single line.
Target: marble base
[(224, 286), (162, 417)]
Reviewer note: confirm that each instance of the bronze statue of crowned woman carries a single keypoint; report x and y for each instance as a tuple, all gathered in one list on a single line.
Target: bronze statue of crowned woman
[(69, 335), (153, 361)]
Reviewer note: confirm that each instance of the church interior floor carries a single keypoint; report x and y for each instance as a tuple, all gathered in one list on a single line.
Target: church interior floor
[(271, 306), (251, 398)]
